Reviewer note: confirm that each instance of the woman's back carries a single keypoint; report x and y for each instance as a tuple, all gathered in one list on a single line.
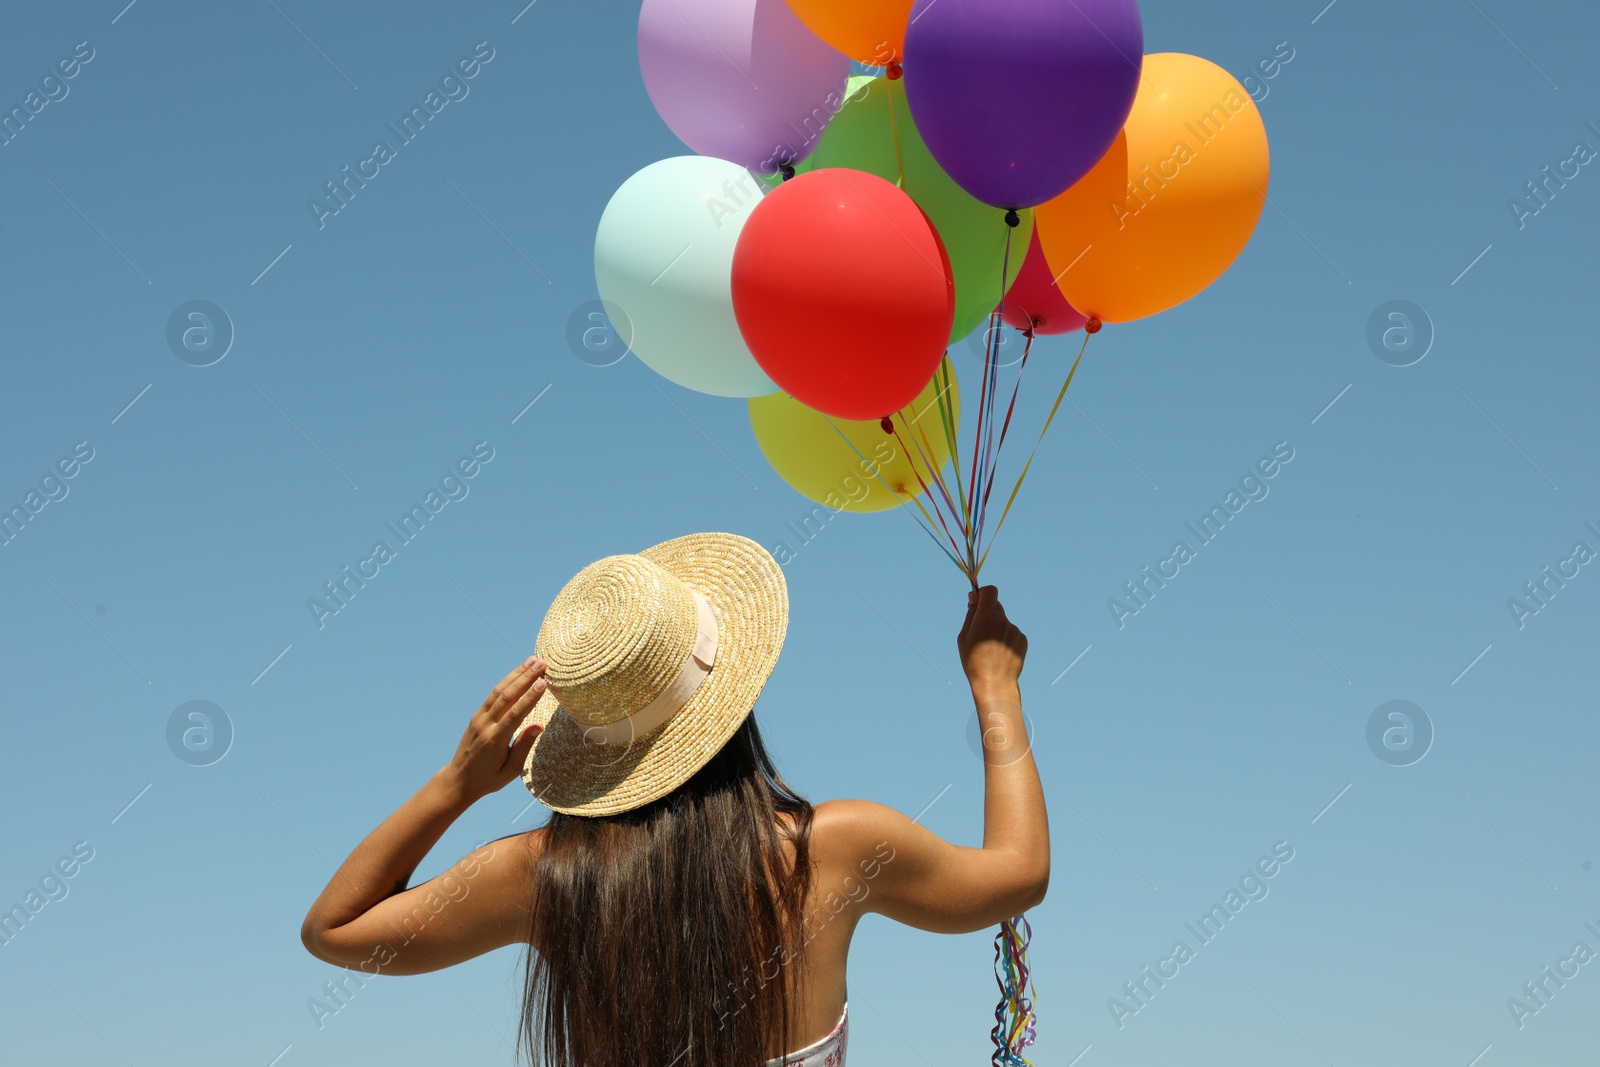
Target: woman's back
[(649, 923), (869, 858), (824, 938)]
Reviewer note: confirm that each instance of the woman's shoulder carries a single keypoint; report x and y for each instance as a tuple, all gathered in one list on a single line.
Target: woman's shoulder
[(852, 820), (844, 831), (523, 849)]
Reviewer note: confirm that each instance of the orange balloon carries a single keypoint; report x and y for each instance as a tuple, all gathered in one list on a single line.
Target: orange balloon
[(871, 31), (1173, 202)]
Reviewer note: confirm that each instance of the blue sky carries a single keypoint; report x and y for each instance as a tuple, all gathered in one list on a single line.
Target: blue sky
[(371, 354)]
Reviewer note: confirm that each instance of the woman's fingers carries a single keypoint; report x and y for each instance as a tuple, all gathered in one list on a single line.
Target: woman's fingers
[(517, 711), (512, 687), (527, 731), (983, 610), (528, 688)]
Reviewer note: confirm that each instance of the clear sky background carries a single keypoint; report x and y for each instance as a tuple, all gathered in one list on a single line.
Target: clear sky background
[(1228, 715)]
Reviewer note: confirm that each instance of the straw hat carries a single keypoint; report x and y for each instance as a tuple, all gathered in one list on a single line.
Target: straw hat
[(653, 661)]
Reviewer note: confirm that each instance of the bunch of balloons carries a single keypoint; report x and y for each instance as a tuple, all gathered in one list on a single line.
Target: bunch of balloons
[(1016, 161)]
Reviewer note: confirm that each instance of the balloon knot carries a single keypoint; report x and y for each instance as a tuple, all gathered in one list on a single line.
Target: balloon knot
[(787, 170), (893, 71), (1093, 325), (1012, 218), (887, 423)]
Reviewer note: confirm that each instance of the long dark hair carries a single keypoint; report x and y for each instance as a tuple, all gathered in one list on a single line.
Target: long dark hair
[(658, 933)]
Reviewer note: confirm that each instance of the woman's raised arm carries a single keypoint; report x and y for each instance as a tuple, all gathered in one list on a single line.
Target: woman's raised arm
[(366, 914), (922, 880)]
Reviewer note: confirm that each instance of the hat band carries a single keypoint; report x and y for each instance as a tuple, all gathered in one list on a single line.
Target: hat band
[(678, 691)]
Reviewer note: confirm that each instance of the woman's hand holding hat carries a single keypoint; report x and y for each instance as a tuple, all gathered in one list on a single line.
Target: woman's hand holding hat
[(492, 750)]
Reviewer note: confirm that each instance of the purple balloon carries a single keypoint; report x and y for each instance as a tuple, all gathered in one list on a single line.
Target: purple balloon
[(1018, 99), (743, 80)]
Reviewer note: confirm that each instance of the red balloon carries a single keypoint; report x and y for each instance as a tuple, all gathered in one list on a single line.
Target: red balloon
[(842, 291), (1035, 302)]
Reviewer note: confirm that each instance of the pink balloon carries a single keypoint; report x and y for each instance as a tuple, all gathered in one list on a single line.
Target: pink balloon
[(1034, 302), (743, 80)]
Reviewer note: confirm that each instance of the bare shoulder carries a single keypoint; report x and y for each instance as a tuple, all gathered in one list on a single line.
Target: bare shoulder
[(849, 852), (511, 867), (506, 862), (854, 835), (850, 822), (522, 845)]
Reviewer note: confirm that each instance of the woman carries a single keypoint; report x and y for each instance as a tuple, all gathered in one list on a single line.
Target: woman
[(682, 907)]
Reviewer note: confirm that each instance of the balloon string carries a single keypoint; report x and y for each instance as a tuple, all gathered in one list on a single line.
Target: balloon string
[(933, 472), (977, 439), (933, 475), (992, 345), (866, 465), (992, 357), (947, 420), (941, 401), (925, 451), (969, 511), (925, 488), (1053, 409), (927, 528), (959, 565), (988, 488), (927, 448), (894, 135), (1015, 1019)]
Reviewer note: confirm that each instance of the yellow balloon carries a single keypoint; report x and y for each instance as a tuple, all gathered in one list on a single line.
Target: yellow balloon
[(871, 31), (880, 470), (1173, 202)]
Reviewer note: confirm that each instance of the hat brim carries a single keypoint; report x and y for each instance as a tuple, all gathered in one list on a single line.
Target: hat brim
[(750, 600)]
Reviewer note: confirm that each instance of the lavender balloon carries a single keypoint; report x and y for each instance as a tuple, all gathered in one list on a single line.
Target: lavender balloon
[(1018, 99), (742, 80)]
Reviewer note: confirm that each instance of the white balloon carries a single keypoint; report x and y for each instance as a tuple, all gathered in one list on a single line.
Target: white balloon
[(663, 262)]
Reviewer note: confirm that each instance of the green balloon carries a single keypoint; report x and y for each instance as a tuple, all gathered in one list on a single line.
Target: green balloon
[(861, 136)]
